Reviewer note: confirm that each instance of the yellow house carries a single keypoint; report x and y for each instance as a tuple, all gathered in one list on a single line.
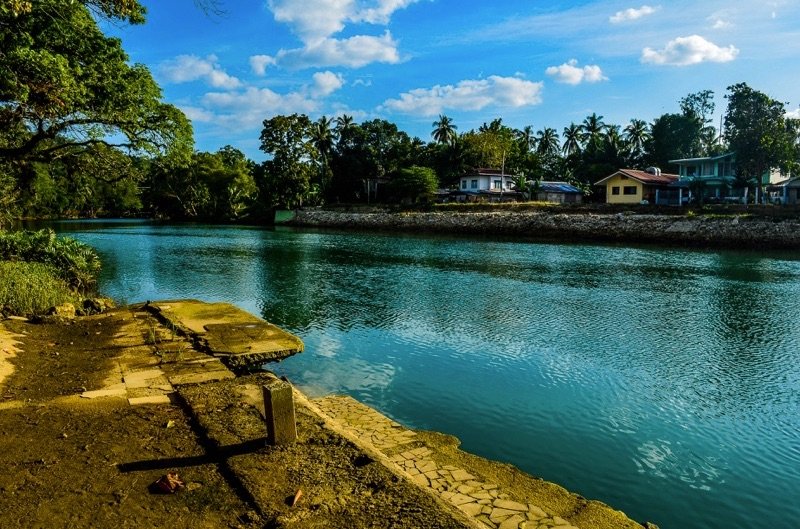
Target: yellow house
[(631, 186)]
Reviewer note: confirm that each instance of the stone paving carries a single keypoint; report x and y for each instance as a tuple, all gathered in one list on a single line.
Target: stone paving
[(154, 359), (483, 501)]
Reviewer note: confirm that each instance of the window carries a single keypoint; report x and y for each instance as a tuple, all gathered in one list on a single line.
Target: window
[(615, 190), (629, 190), (463, 184), (497, 184), (473, 184)]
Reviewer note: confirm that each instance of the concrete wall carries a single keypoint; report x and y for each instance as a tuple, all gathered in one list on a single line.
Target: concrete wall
[(699, 231), (621, 182)]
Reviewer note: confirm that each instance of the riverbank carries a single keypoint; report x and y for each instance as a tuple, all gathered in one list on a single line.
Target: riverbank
[(709, 231), (95, 409)]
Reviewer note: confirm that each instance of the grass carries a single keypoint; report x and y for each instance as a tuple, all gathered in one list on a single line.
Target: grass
[(29, 289), (75, 262)]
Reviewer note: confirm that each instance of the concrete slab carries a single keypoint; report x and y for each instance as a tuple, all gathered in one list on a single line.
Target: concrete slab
[(101, 393), (191, 315), (199, 378), (253, 342), (152, 399), (229, 332)]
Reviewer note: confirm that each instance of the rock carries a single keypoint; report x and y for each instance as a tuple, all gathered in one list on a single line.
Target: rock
[(58, 314), (96, 306)]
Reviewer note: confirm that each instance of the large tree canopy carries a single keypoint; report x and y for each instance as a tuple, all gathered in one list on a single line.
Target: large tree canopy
[(65, 86), (758, 131)]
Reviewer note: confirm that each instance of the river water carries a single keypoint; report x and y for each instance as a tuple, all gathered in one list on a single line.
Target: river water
[(664, 382)]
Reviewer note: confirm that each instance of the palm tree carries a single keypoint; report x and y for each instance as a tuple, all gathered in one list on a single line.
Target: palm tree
[(613, 141), (573, 139), (526, 138), (637, 133), (321, 138), (343, 123), (444, 131), (592, 128), (547, 142)]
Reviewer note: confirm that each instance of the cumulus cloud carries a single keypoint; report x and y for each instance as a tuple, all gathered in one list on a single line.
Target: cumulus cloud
[(187, 68), (249, 107), (685, 51), (793, 114), (571, 73), (630, 14), (326, 83), (259, 63), (468, 95), (353, 52), (315, 20)]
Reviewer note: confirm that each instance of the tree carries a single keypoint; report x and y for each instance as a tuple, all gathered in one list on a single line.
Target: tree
[(286, 178), (414, 182), (592, 129), (758, 132), (321, 137), (527, 138), (547, 143), (444, 131), (573, 139), (700, 105), (636, 136), (64, 86), (672, 137)]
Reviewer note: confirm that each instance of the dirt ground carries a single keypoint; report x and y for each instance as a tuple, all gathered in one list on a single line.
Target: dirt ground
[(72, 462)]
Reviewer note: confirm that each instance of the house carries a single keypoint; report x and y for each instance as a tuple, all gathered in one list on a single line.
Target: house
[(487, 184), (786, 192), (716, 176), (559, 192), (631, 186)]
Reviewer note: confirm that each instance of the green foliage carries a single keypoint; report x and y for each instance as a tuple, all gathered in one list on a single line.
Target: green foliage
[(414, 183), (28, 289), (74, 262), (673, 136), (758, 132), (65, 86)]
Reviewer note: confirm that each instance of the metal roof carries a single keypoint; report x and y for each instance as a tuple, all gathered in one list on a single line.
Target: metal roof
[(558, 187)]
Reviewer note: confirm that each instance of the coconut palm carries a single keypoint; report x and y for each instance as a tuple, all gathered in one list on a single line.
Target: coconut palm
[(613, 141), (592, 128), (343, 123), (636, 134), (547, 142), (526, 138), (321, 137), (573, 139), (444, 131)]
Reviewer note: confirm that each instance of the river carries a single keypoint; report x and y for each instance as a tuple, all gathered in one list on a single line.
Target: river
[(664, 382)]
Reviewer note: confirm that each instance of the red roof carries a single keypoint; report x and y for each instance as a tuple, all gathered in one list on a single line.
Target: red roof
[(644, 177)]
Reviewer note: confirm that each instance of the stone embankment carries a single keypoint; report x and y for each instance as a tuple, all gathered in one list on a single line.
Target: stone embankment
[(699, 231)]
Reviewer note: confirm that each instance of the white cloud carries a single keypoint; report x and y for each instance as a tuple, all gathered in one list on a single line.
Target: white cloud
[(721, 24), (249, 107), (259, 63), (186, 68), (571, 73), (316, 20), (793, 114), (685, 51), (326, 83), (468, 95), (353, 52), (362, 82), (630, 14)]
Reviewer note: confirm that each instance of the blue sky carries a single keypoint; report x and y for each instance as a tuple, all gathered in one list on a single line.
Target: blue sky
[(529, 62)]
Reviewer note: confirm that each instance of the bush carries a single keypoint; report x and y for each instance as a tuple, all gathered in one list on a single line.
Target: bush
[(74, 262), (29, 289)]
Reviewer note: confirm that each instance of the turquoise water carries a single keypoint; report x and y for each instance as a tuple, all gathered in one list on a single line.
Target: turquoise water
[(664, 382)]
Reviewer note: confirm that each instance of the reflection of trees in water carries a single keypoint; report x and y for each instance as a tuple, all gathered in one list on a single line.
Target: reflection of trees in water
[(378, 281)]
